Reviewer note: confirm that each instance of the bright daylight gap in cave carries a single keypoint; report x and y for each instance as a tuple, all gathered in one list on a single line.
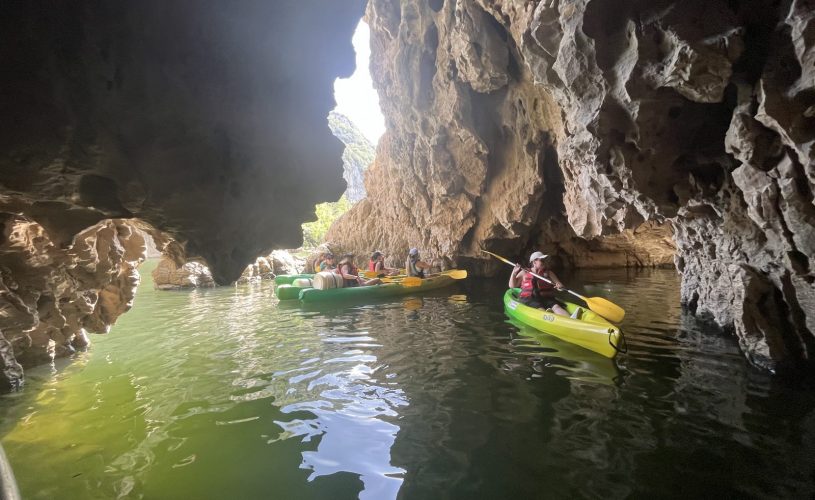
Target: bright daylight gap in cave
[(358, 122)]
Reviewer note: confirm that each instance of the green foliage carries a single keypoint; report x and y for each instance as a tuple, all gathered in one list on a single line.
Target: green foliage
[(327, 213), (358, 155)]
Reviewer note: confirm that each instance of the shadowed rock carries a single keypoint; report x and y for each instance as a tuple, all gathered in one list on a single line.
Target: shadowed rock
[(205, 119)]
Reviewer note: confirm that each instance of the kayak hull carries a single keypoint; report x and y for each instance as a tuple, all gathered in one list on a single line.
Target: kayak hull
[(592, 331), (312, 295), (288, 292), (288, 279)]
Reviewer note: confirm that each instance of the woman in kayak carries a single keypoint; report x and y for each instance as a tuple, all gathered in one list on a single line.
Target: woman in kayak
[(377, 265), (349, 273), (414, 266), (328, 263), (317, 261), (536, 292)]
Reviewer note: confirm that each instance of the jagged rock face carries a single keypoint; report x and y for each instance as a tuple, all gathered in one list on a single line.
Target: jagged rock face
[(204, 119), (168, 275), (358, 155), (49, 296), (507, 120)]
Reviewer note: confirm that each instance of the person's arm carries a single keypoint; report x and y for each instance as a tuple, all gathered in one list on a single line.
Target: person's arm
[(379, 266), (556, 281), (515, 277), (345, 272)]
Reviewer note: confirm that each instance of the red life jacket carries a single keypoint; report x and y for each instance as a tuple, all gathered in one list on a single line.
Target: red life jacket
[(532, 286), (372, 265)]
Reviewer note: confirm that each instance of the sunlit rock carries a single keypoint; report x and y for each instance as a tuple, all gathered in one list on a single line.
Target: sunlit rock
[(610, 128), (51, 296), (168, 275)]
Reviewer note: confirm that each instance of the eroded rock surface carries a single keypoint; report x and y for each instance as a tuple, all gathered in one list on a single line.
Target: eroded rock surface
[(168, 275), (50, 297), (596, 118), (172, 274), (205, 119), (356, 158)]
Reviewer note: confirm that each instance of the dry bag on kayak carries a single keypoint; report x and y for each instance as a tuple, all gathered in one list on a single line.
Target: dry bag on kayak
[(302, 283), (326, 280)]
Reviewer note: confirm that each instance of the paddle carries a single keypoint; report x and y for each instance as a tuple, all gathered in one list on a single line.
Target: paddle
[(601, 306), (456, 274), (378, 274), (406, 280)]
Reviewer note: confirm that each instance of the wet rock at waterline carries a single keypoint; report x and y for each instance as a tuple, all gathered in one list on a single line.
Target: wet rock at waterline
[(170, 275), (518, 125), (205, 119), (51, 296)]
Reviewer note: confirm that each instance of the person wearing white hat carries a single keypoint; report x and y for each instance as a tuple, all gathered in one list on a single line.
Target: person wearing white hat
[(536, 292), (414, 266)]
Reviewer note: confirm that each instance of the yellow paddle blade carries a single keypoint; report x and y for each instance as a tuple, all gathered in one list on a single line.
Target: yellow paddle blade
[(601, 306), (376, 274), (605, 308), (404, 280), (456, 274)]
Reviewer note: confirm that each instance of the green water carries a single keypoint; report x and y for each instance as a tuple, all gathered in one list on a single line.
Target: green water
[(224, 394)]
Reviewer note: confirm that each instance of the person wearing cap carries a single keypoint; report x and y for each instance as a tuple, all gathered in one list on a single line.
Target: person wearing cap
[(328, 263), (534, 291), (377, 264), (414, 266)]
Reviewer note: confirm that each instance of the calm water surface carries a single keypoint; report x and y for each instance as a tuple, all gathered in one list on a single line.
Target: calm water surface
[(226, 394)]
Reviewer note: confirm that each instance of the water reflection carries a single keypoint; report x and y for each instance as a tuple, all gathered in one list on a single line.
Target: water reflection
[(225, 392)]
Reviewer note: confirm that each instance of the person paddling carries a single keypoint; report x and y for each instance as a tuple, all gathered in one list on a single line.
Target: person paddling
[(414, 265), (536, 292)]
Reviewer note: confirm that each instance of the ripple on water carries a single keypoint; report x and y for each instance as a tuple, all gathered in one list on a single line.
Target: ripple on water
[(223, 392)]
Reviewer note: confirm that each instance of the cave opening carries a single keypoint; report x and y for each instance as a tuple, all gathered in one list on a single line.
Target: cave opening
[(357, 121)]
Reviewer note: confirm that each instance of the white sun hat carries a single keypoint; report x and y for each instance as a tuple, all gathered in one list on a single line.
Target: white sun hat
[(537, 255)]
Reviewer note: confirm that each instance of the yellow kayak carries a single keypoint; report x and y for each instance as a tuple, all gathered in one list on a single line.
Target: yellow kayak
[(590, 331)]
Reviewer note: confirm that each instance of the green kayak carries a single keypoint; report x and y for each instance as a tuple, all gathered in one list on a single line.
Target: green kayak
[(591, 331), (286, 289), (287, 279), (313, 295)]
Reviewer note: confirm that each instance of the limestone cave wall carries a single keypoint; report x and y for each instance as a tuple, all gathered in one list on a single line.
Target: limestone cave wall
[(50, 296), (205, 119), (520, 125)]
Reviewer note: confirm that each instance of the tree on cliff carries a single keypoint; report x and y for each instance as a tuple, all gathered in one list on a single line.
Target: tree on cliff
[(358, 155)]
